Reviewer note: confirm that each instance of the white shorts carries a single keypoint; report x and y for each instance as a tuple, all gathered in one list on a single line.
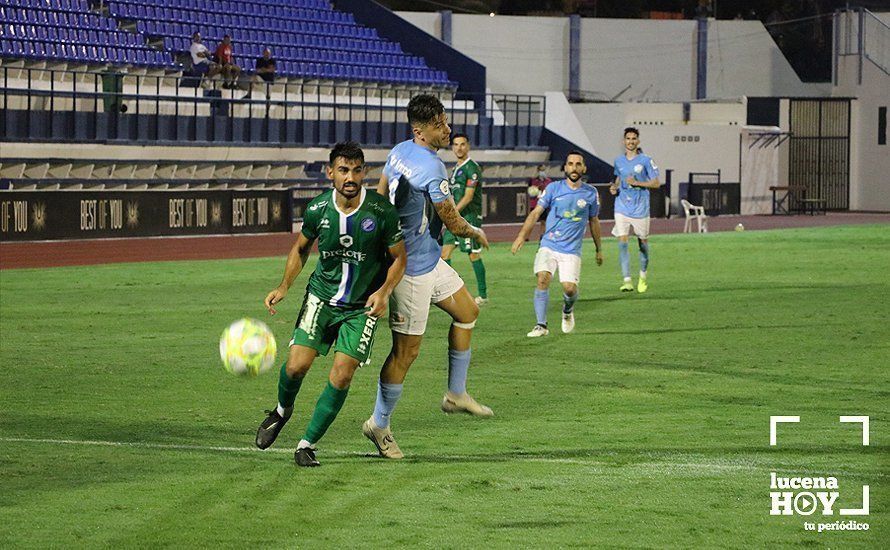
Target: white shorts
[(623, 224), (409, 304), (551, 261)]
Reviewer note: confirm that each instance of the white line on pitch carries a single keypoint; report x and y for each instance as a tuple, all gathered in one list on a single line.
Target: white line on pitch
[(697, 467)]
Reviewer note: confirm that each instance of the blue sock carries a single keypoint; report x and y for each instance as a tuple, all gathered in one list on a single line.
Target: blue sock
[(644, 256), (624, 259), (458, 365), (568, 302), (387, 397), (541, 299)]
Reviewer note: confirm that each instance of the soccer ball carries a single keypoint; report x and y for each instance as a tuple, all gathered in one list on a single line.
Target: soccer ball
[(533, 191), (247, 347), (740, 227)]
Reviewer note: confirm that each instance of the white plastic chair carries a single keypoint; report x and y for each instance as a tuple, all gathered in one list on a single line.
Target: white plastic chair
[(697, 212)]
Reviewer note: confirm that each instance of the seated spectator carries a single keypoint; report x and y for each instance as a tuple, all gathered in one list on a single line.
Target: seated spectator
[(265, 69), (226, 61), (265, 66), (201, 62)]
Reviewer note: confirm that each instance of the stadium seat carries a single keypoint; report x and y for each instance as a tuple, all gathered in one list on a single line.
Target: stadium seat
[(698, 213)]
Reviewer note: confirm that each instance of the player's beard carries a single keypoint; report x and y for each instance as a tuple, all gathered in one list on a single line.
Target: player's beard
[(349, 191), (574, 176)]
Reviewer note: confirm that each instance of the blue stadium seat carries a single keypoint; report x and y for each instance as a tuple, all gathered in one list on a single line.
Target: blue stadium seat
[(308, 37)]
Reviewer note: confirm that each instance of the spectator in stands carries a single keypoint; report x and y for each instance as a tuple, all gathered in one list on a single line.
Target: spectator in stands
[(201, 62), (265, 69), (265, 66), (226, 61), (536, 186)]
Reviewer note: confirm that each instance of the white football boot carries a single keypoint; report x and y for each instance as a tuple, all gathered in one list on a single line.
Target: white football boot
[(454, 403), (568, 322)]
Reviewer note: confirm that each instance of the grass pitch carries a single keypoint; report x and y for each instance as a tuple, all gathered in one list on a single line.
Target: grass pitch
[(647, 427)]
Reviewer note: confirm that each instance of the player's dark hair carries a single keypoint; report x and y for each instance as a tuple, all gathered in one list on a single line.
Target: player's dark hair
[(631, 129), (575, 152), (349, 150), (460, 135), (423, 109)]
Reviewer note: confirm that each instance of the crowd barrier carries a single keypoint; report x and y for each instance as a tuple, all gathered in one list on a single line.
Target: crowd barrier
[(51, 215), (89, 214)]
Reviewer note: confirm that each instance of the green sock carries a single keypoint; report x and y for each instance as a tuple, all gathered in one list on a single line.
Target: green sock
[(448, 261), (479, 268), (287, 387), (326, 409)]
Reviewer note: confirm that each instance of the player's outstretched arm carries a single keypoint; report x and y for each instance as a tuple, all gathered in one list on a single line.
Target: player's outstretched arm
[(651, 184), (376, 304), (296, 259), (383, 186), (465, 200), (456, 224), (527, 226), (596, 233)]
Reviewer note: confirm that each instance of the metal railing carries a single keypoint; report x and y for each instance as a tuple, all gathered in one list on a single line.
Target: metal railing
[(859, 32), (876, 41), (50, 104)]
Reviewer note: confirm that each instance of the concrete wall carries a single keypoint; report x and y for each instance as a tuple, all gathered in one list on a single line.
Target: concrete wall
[(529, 55), (743, 60), (429, 23), (708, 142), (869, 162), (655, 58), (522, 55)]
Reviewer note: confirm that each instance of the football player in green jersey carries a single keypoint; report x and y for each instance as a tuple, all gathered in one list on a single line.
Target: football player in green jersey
[(361, 259), (466, 186)]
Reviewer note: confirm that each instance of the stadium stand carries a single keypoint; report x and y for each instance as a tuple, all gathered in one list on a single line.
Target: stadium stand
[(97, 174), (81, 71), (310, 40)]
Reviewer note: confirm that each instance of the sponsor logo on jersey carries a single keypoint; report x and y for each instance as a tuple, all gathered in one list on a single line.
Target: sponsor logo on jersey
[(353, 255), (318, 205), (368, 225), (400, 166), (324, 224), (346, 240), (445, 187)]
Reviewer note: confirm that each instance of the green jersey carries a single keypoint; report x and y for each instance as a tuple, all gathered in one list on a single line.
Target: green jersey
[(352, 248), (468, 175)]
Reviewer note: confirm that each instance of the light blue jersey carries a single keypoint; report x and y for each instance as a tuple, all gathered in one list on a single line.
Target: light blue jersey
[(569, 211), (416, 178), (633, 202)]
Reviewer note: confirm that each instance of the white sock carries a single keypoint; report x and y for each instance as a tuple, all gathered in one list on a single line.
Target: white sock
[(303, 444), (280, 410), (642, 274), (627, 279)]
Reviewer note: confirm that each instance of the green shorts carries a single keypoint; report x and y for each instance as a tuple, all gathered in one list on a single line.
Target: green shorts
[(320, 324), (465, 244)]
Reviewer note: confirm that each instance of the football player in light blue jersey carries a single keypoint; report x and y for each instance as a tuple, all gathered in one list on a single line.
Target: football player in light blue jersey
[(635, 175), (415, 181), (574, 206)]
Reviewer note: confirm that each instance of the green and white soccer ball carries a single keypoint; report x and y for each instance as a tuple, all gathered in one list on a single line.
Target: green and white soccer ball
[(247, 347)]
